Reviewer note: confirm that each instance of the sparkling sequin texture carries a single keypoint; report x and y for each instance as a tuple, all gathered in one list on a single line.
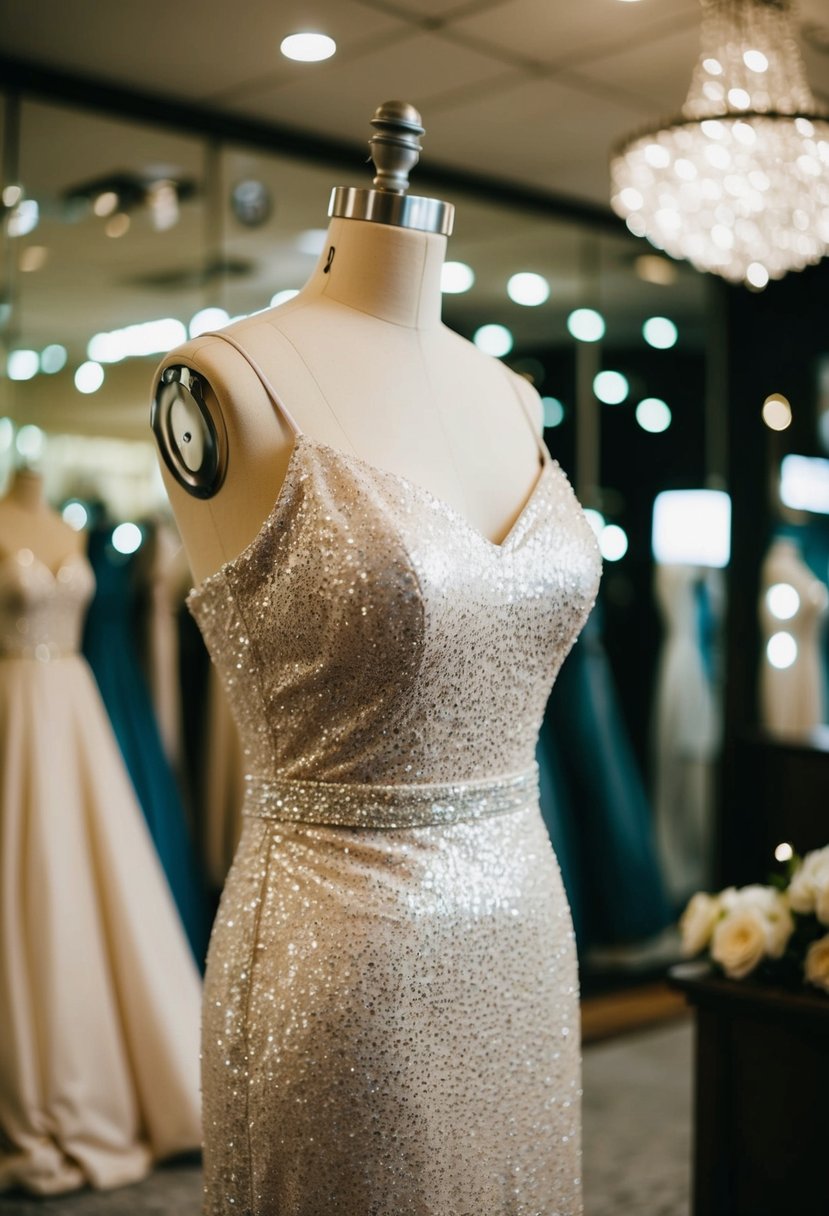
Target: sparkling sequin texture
[(391, 1012)]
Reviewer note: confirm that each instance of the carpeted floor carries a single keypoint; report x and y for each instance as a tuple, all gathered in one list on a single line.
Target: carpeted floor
[(637, 1120), (637, 1124)]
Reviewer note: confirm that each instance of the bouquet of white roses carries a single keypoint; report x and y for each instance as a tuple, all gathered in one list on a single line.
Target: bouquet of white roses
[(778, 931)]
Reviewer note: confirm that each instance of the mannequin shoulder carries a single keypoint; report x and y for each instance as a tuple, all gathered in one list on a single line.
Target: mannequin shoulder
[(217, 364), (205, 396), (529, 398), (485, 365)]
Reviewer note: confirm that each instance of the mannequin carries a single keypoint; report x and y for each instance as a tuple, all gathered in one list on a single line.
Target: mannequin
[(363, 361), (792, 698), (28, 525), (99, 996), (685, 735), (391, 570)]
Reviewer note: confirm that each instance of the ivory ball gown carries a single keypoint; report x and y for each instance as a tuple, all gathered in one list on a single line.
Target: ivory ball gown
[(99, 993)]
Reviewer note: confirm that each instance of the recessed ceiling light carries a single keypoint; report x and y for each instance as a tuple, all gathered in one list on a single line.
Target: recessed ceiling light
[(53, 358), (89, 377), (127, 538), (528, 289), (613, 542), (660, 333), (782, 601), (29, 441), (586, 325), (777, 412), (105, 203), (653, 415), (493, 340), (22, 364), (24, 218), (75, 514), (781, 649), (456, 278), (308, 47), (553, 411), (117, 225), (611, 387)]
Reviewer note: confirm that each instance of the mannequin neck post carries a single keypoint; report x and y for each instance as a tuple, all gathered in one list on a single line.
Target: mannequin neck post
[(389, 273), (26, 490)]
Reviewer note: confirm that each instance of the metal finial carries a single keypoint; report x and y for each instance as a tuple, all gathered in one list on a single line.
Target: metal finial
[(395, 148)]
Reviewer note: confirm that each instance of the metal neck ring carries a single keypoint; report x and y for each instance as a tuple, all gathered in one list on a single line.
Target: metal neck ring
[(397, 210)]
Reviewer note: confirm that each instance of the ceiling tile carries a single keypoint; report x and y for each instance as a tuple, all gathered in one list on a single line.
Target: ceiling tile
[(417, 9), (341, 100), (565, 33), (525, 133), (659, 77), (189, 49)]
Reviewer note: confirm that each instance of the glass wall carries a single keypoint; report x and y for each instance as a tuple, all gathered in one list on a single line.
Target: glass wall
[(136, 230)]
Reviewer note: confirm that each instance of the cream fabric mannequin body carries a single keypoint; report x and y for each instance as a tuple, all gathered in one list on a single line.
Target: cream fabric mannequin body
[(364, 363), (27, 522), (391, 994)]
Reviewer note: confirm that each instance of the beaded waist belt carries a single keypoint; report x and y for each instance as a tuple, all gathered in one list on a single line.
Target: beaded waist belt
[(343, 804), (44, 652)]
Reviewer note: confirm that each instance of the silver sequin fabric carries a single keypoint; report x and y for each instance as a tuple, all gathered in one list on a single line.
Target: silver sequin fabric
[(391, 1017)]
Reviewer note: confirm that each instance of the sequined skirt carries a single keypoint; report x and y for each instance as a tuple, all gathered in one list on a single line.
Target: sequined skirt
[(391, 1013)]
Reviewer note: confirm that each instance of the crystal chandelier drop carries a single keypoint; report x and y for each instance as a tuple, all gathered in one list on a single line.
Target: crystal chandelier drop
[(739, 183)]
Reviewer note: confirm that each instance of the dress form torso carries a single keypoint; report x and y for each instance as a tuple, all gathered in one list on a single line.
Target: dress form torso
[(365, 365), (391, 995), (29, 526)]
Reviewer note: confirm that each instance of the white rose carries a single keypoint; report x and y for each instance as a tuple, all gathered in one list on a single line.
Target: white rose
[(780, 925), (697, 922), (810, 883), (822, 905), (728, 898), (740, 941), (817, 963), (753, 896), (772, 905)]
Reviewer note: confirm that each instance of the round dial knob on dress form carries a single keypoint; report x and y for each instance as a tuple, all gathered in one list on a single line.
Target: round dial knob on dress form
[(395, 150)]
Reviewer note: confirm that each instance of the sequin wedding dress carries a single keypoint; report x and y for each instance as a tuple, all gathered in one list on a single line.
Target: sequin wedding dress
[(391, 1008), (99, 994)]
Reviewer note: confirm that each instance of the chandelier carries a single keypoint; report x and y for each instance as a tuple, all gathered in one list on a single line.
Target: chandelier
[(739, 183)]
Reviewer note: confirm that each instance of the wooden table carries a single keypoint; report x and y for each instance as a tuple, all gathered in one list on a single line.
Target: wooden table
[(761, 1132)]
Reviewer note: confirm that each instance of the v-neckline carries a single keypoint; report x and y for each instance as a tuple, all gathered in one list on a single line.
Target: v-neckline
[(301, 441), (54, 575)]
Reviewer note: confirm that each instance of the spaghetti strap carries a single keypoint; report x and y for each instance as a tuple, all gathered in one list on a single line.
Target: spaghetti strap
[(276, 400), (543, 450)]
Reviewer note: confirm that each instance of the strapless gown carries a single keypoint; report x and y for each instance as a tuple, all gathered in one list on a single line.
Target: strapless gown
[(391, 1018), (99, 994)]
